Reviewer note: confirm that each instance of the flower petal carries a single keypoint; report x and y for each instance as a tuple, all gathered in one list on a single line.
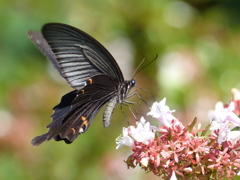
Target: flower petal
[(173, 177)]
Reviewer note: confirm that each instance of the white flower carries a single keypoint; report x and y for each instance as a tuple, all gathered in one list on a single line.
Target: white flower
[(144, 161), (162, 113), (223, 134), (238, 173), (124, 139), (173, 177), (234, 136), (224, 120), (188, 170), (143, 132), (222, 116)]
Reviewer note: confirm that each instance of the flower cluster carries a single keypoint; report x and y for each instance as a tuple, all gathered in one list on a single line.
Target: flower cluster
[(174, 151)]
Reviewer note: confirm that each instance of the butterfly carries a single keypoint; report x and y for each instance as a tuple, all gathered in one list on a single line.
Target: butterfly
[(90, 70)]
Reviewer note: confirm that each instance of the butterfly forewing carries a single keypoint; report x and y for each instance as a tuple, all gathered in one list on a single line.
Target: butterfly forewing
[(73, 47)]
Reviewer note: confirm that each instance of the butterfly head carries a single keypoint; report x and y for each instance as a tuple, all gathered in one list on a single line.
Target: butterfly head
[(125, 88)]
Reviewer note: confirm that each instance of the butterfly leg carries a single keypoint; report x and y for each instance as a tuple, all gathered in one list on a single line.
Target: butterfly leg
[(129, 107)]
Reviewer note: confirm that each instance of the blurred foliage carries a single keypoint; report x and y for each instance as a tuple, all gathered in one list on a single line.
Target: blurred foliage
[(197, 42)]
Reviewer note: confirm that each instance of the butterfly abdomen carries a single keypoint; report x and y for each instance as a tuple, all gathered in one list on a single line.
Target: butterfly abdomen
[(107, 115)]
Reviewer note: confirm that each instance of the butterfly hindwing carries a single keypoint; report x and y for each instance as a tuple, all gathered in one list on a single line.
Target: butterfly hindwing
[(74, 114)]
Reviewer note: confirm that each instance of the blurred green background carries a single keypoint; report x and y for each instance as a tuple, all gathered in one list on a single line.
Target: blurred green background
[(197, 43)]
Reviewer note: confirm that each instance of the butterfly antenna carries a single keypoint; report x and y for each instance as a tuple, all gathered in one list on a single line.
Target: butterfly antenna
[(138, 70)]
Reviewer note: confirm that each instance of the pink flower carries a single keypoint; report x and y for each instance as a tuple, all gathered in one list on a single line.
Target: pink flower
[(174, 151)]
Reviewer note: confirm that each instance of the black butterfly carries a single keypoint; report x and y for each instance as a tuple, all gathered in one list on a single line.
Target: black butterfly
[(90, 69)]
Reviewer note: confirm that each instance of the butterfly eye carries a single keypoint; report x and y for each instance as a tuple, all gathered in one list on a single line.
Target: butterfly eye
[(133, 82)]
